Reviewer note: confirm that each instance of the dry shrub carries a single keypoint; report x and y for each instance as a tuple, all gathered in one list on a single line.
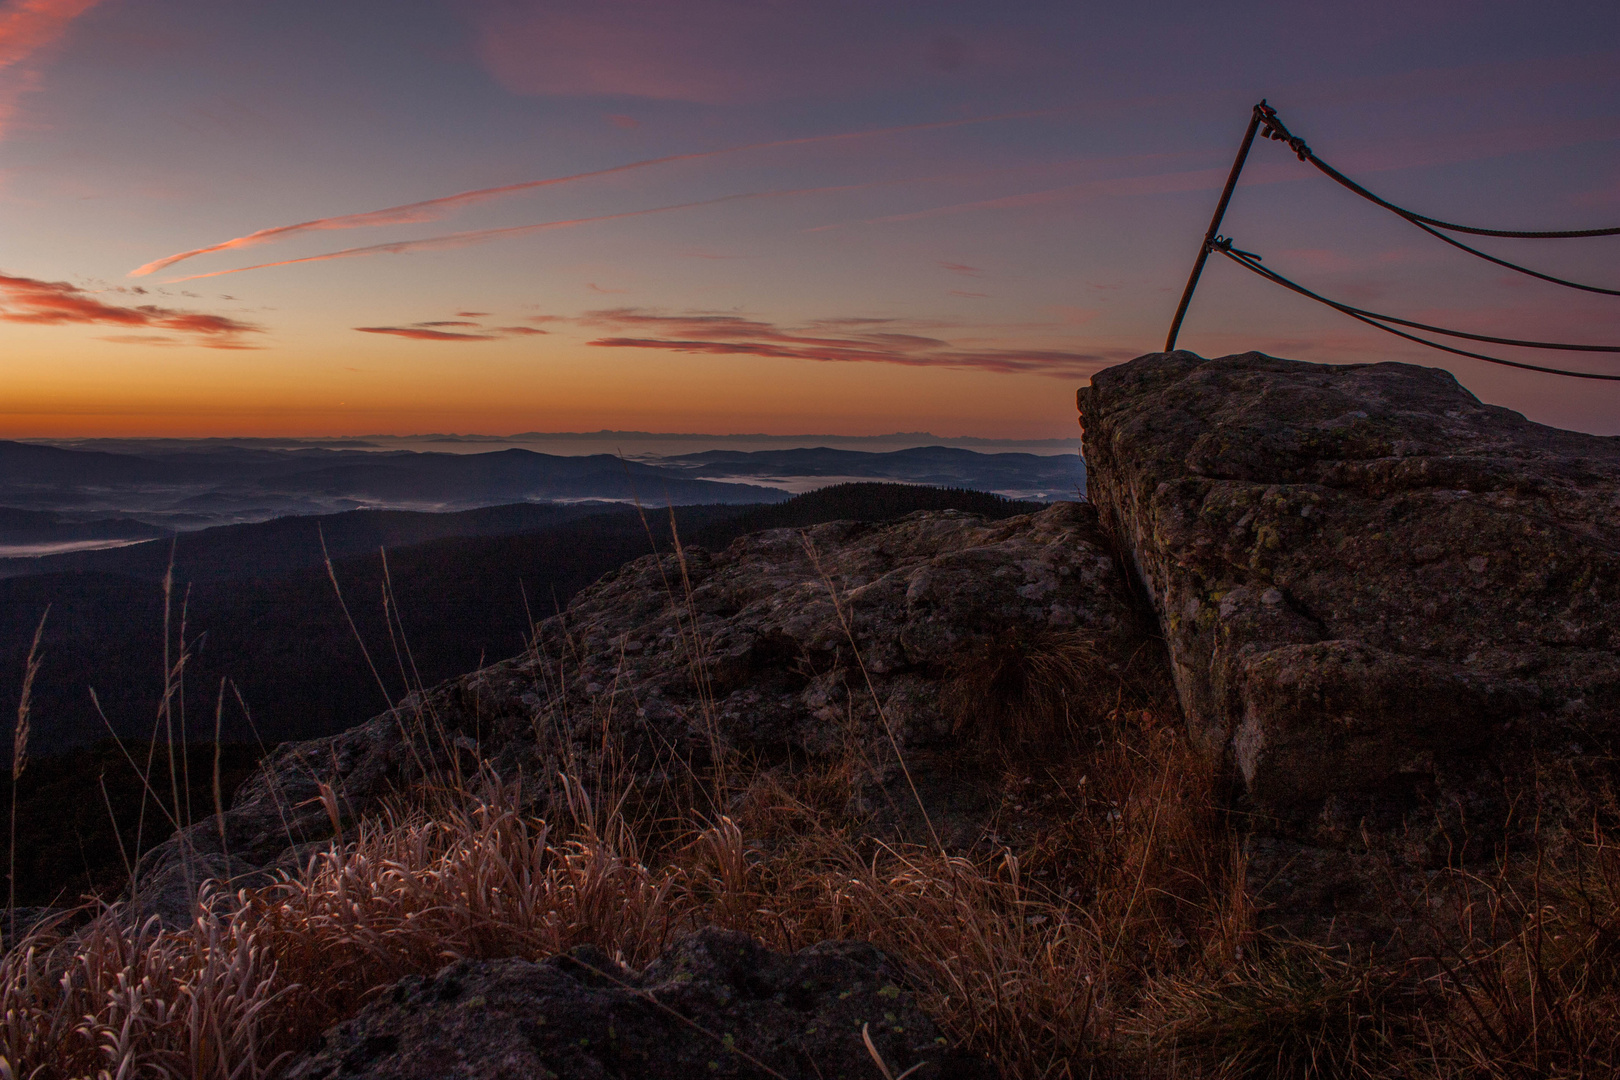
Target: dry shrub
[(1532, 971), (1014, 967), (1285, 1010), (1030, 686), (120, 1001), (477, 880), (1116, 942), (1136, 874)]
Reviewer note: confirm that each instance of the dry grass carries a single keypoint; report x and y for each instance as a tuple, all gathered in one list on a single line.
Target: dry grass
[(1533, 966), (1137, 960), (1009, 965), (1112, 938)]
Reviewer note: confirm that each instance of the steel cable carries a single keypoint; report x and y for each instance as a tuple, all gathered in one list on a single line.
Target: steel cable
[(1251, 261), (1265, 122), (1274, 129)]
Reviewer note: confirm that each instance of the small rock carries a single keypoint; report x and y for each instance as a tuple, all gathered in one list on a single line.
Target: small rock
[(716, 1004)]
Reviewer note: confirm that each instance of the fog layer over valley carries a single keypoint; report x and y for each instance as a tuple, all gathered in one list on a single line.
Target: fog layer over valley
[(127, 489)]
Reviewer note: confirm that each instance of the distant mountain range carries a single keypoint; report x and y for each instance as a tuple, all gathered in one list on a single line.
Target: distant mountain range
[(84, 497), (633, 443), (1017, 476), (258, 605), (208, 485)]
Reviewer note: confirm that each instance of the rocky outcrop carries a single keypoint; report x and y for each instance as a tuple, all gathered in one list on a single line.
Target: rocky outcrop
[(926, 634), (1373, 587), (791, 645), (716, 1004)]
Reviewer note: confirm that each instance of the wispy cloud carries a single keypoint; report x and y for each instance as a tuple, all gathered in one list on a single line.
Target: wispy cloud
[(735, 335), (53, 303), (963, 268), (437, 208), (484, 236), (432, 330), (26, 28), (418, 333)]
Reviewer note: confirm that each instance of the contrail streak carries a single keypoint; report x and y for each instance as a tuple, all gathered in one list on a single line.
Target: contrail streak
[(479, 236), (433, 209)]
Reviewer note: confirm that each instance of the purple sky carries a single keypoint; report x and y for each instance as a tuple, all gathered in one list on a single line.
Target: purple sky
[(762, 216)]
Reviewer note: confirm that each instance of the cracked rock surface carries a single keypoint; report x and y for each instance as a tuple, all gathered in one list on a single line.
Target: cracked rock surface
[(1369, 582)]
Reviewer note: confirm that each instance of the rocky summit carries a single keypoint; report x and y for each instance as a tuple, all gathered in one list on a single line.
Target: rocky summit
[(1362, 573), (849, 640), (1386, 611), (1380, 596)]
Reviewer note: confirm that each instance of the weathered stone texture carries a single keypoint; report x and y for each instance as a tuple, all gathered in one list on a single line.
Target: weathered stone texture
[(1364, 575), (741, 649), (716, 1004), (776, 671)]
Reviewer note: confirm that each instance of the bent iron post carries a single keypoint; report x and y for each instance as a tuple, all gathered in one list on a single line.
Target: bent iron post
[(1265, 121), (1256, 118)]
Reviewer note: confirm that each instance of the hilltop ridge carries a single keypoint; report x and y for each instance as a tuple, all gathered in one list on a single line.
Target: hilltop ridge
[(1289, 754)]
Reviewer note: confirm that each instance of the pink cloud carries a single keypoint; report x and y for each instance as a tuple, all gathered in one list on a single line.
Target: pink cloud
[(734, 335), (471, 314), (619, 120), (141, 339), (455, 240), (27, 27), (483, 236), (417, 333), (437, 208), (430, 330), (963, 268), (594, 287), (56, 303)]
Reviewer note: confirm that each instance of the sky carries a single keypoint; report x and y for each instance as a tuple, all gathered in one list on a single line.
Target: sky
[(490, 216)]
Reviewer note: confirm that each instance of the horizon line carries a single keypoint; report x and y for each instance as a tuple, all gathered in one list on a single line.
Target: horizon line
[(600, 434)]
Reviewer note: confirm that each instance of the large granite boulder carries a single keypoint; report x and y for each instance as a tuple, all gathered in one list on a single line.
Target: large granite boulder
[(1374, 588), (946, 630), (716, 1004)]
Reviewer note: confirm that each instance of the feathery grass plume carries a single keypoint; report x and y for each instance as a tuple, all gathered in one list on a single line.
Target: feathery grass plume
[(19, 762)]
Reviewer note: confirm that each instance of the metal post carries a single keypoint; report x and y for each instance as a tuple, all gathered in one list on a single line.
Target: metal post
[(1255, 120)]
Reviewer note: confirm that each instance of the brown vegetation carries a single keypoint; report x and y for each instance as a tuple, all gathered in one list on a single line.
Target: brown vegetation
[(1116, 941), (1102, 929)]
